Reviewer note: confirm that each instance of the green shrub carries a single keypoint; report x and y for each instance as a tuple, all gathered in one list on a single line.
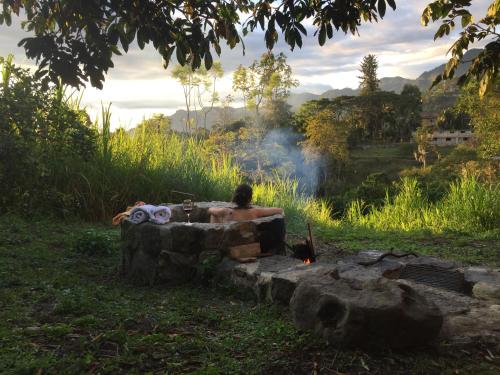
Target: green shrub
[(471, 206), (435, 180), (41, 134), (408, 210), (95, 243)]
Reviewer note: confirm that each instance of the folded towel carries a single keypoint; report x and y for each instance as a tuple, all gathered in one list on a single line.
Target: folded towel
[(149, 212), (123, 215), (150, 209), (160, 215), (139, 215)]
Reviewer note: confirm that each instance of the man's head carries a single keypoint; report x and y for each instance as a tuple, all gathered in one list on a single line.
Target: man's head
[(242, 195)]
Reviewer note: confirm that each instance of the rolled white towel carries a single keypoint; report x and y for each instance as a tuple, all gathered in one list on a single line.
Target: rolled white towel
[(139, 215), (161, 215), (149, 212)]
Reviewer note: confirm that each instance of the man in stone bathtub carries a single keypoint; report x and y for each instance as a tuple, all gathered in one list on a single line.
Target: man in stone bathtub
[(243, 211)]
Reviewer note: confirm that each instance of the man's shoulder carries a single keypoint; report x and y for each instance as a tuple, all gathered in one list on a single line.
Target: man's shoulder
[(219, 210)]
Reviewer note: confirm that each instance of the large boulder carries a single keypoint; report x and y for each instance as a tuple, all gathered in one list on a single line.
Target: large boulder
[(370, 313), (171, 252)]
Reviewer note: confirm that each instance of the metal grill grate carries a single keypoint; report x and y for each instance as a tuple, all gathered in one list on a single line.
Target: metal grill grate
[(436, 277)]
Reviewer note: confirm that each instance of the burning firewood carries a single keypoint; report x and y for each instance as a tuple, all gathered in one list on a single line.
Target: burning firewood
[(304, 251), (310, 242)]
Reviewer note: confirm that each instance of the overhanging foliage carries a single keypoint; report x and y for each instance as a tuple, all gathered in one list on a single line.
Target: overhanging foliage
[(76, 40)]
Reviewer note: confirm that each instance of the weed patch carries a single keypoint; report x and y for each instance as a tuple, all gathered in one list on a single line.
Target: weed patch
[(95, 243)]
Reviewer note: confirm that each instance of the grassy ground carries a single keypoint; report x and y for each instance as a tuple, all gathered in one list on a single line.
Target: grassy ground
[(62, 312)]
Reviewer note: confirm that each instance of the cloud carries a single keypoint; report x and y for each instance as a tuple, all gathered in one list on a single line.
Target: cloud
[(135, 93), (152, 104), (10, 36)]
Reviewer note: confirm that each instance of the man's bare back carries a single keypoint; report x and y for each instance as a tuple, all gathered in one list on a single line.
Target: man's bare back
[(226, 215), (244, 211)]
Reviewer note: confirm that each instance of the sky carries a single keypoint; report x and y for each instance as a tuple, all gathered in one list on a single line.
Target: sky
[(138, 86)]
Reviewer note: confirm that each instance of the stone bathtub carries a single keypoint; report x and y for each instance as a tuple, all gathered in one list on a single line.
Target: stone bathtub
[(172, 252)]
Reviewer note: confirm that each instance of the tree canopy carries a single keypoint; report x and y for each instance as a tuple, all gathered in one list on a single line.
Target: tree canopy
[(484, 116), (369, 82), (267, 80), (484, 67), (380, 116), (199, 87), (76, 40)]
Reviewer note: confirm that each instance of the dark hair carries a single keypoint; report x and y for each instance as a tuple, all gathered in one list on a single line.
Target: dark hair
[(242, 195)]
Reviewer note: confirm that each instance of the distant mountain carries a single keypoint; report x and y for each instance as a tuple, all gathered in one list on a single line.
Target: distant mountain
[(216, 115), (296, 100), (462, 68), (396, 84)]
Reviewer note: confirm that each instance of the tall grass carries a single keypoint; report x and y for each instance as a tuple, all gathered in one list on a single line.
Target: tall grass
[(469, 206), (141, 165), (144, 166), (299, 208), (407, 211), (148, 167)]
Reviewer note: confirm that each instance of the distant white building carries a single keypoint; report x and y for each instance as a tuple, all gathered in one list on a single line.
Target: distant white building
[(450, 137), (444, 137)]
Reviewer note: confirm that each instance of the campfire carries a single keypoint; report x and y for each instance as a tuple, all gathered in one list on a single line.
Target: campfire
[(304, 251)]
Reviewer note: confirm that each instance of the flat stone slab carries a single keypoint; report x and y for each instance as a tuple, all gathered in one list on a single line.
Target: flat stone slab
[(482, 274), (480, 323), (448, 302), (485, 283)]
